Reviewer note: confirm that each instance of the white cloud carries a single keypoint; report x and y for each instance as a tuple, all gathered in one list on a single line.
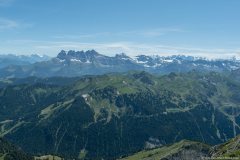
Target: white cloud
[(8, 24), (153, 32), (148, 33), (131, 49)]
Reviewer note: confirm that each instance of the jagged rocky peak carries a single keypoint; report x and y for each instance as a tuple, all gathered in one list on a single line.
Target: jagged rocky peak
[(78, 55), (121, 56), (147, 57), (92, 52), (62, 54), (143, 58)]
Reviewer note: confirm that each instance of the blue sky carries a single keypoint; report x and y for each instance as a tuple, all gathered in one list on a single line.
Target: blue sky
[(165, 27)]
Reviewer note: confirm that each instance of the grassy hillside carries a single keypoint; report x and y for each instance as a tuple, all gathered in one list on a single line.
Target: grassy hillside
[(228, 149), (113, 115), (181, 150), (190, 150)]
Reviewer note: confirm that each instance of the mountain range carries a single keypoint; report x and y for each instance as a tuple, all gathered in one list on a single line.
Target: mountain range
[(11, 59), (85, 105), (78, 63), (115, 115)]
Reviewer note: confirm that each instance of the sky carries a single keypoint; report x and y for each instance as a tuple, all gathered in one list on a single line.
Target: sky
[(208, 28)]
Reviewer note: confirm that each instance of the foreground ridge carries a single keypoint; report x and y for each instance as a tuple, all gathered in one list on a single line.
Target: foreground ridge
[(185, 150)]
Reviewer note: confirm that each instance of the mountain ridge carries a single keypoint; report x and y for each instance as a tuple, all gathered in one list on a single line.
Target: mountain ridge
[(190, 150), (183, 149), (11, 59), (79, 63)]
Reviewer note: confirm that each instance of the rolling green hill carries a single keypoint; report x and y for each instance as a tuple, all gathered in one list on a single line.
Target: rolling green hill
[(113, 115), (181, 150), (188, 150), (229, 149)]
